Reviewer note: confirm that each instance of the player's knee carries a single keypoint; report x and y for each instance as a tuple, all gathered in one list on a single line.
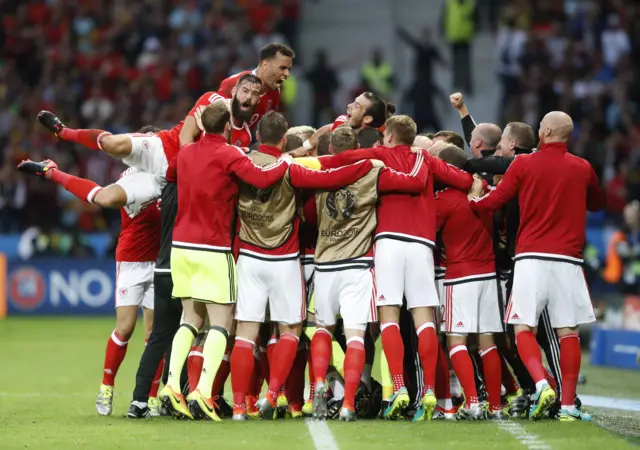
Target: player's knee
[(125, 326), (112, 196), (295, 329)]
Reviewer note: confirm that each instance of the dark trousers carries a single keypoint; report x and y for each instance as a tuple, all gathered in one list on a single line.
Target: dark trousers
[(166, 320), (414, 377), (462, 77)]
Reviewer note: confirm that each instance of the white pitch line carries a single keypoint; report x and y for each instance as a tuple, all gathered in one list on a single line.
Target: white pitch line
[(321, 434), (530, 440), (610, 403)]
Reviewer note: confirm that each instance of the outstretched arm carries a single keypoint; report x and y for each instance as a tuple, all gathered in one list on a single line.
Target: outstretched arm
[(261, 177), (496, 165), (448, 174), (506, 190), (329, 180), (410, 183)]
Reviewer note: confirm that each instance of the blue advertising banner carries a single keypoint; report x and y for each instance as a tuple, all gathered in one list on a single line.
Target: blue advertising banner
[(60, 287), (616, 348)]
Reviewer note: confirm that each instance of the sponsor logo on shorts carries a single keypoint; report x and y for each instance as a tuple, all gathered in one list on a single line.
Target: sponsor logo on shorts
[(459, 324), (381, 298), (515, 316), (145, 145), (26, 288), (123, 292)]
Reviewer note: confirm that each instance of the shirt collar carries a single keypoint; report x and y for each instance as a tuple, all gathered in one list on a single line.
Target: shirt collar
[(554, 146), (270, 150), (214, 138)]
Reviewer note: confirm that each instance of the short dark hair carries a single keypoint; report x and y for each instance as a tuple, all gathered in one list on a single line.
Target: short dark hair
[(454, 155), (343, 138), (249, 78), (215, 117), (428, 135), (322, 149), (451, 137), (522, 134), (149, 129), (403, 128), (369, 137), (293, 142), (272, 128), (377, 110), (270, 51)]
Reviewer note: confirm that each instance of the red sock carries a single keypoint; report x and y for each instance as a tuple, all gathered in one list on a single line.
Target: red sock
[(242, 363), (255, 385), (492, 369), (271, 348), (463, 367), (79, 187), (508, 380), (222, 375), (116, 349), (320, 354), (428, 351), (353, 365), (570, 357), (295, 380), (529, 352), (283, 356), (87, 137), (394, 351), (312, 378), (551, 379), (443, 388), (264, 364), (194, 367)]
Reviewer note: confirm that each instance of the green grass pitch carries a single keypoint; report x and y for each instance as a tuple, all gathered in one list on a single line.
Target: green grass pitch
[(50, 370)]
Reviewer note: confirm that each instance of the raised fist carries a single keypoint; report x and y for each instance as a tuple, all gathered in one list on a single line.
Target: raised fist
[(457, 100)]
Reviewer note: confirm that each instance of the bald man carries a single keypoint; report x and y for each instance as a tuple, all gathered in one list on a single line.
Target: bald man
[(482, 138), (555, 190)]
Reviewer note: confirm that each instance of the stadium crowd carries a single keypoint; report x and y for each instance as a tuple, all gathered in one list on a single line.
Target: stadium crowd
[(196, 202)]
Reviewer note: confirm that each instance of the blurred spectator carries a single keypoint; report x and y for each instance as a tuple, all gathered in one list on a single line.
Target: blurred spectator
[(324, 82), (377, 75), (116, 65), (622, 266), (458, 22)]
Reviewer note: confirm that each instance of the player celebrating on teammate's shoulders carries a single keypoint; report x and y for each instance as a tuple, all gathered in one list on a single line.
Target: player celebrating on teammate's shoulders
[(405, 237), (138, 245), (471, 292), (555, 189), (202, 265), (273, 69)]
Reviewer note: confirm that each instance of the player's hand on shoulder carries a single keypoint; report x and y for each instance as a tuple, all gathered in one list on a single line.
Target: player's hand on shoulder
[(376, 163), (198, 116), (417, 149), (299, 152), (457, 100), (286, 158), (477, 188)]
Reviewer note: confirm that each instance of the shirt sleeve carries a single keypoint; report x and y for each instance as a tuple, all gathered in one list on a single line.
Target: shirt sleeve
[(506, 190), (205, 100), (227, 86), (448, 174), (261, 177), (595, 200), (410, 183), (496, 165), (349, 157), (468, 125), (329, 180)]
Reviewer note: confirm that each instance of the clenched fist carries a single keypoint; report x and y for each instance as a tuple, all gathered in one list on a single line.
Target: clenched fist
[(457, 100)]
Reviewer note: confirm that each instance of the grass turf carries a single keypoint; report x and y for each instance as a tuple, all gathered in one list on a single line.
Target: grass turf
[(51, 370)]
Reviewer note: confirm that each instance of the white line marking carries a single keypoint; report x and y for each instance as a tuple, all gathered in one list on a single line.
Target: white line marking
[(321, 435), (610, 403), (527, 439)]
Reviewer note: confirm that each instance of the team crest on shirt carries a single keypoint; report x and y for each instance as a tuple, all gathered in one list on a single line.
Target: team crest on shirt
[(238, 143), (341, 204), (261, 195)]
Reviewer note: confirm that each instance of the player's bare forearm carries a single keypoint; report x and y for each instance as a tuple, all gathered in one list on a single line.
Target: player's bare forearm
[(304, 178), (319, 132), (189, 131)]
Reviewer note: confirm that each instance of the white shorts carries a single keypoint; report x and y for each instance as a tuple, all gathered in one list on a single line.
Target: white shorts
[(558, 285), (405, 269), (348, 292), (472, 307), (147, 154), (134, 284), (141, 188), (278, 284)]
